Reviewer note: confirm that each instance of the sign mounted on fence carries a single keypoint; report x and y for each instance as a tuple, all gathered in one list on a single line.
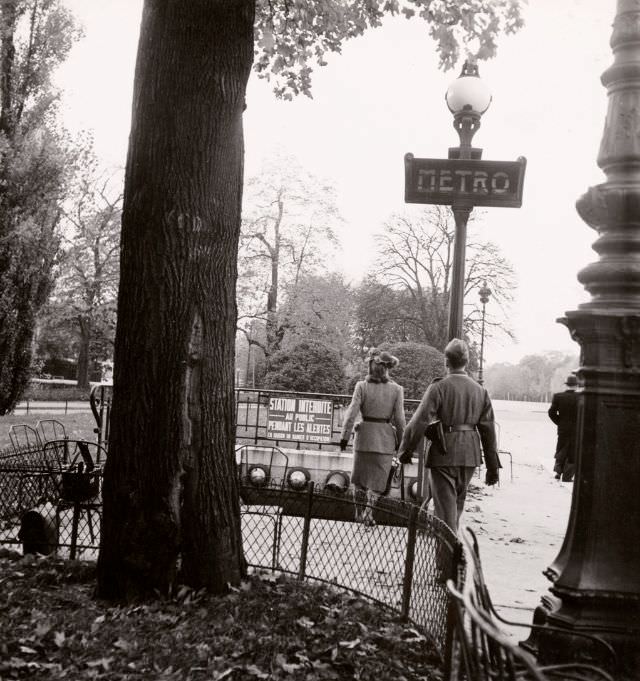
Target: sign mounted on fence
[(297, 418), (475, 182)]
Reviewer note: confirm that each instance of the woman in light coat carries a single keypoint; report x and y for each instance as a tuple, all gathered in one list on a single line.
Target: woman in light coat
[(380, 401)]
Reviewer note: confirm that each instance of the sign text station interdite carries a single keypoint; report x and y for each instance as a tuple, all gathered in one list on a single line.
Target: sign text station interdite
[(470, 182), (296, 418)]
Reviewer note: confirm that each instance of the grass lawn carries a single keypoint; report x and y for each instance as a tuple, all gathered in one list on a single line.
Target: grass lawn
[(268, 628)]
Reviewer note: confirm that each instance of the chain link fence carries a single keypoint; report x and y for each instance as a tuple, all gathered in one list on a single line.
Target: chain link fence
[(401, 562)]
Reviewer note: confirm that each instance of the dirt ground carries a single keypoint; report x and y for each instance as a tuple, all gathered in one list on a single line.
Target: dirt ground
[(520, 524)]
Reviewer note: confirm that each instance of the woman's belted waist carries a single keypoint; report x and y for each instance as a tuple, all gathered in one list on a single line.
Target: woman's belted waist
[(459, 427), (375, 420)]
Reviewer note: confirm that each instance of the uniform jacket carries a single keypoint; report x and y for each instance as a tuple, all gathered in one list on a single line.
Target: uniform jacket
[(457, 399), (381, 401), (563, 411)]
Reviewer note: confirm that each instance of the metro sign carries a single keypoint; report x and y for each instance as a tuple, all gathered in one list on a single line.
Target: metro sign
[(464, 182)]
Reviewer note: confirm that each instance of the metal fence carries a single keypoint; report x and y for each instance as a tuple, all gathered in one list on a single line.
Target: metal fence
[(402, 562), (49, 502), (252, 407)]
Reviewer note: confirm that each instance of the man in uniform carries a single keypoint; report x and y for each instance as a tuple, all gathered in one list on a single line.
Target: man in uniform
[(464, 410), (563, 412)]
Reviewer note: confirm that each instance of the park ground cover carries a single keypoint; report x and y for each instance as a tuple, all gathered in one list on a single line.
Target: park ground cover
[(520, 526), (269, 628)]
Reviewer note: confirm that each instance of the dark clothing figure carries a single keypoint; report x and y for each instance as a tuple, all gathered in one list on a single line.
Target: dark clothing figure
[(563, 412), (464, 409)]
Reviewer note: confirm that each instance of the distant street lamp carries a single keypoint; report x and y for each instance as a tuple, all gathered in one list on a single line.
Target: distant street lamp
[(468, 98), (485, 293)]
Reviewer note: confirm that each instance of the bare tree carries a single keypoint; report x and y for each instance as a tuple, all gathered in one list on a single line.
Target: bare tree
[(287, 232), (415, 256), (87, 287)]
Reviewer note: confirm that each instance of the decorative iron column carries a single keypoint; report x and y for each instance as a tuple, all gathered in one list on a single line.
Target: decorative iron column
[(596, 576)]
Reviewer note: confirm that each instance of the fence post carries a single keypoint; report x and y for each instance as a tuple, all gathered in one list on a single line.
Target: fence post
[(408, 563), (450, 647), (305, 533), (66, 406), (27, 405)]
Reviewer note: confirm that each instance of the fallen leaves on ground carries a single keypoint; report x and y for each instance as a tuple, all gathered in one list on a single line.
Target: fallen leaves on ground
[(268, 628)]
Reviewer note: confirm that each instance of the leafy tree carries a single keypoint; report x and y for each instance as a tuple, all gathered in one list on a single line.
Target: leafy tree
[(289, 36), (319, 309), (287, 231), (416, 259), (419, 365), (35, 37), (384, 314), (307, 367), (85, 294), (171, 510)]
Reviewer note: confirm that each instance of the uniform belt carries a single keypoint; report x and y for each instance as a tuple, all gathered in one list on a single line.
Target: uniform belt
[(374, 420), (461, 426)]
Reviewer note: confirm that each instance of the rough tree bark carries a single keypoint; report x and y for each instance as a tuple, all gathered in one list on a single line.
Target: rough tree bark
[(171, 510)]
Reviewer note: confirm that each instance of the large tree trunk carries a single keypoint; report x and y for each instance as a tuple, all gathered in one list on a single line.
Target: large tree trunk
[(171, 509)]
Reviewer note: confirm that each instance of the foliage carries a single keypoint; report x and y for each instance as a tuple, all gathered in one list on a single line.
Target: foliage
[(384, 314), (269, 628), (306, 367), (408, 294), (534, 378), (287, 233), (419, 365), (36, 36), (41, 392), (83, 303), (319, 309), (289, 36)]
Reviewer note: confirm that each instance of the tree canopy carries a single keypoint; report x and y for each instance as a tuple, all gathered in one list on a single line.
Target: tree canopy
[(288, 225), (291, 36), (35, 157), (307, 367), (406, 295)]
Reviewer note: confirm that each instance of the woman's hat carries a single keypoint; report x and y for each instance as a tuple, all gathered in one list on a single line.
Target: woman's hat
[(382, 357)]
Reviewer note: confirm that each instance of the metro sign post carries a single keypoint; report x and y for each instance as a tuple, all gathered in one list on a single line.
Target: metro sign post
[(463, 180)]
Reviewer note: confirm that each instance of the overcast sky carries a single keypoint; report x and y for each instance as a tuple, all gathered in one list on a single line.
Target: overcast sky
[(383, 97)]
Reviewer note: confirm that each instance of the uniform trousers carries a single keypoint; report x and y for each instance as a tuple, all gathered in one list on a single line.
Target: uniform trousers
[(449, 490)]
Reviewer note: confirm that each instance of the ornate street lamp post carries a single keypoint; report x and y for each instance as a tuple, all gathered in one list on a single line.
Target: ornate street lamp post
[(596, 576), (463, 180), (468, 98), (485, 293)]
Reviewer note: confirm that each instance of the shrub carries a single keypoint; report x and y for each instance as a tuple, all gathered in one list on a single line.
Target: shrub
[(307, 367)]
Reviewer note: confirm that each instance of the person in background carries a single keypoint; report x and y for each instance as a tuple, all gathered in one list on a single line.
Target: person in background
[(463, 408), (563, 412), (380, 401)]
